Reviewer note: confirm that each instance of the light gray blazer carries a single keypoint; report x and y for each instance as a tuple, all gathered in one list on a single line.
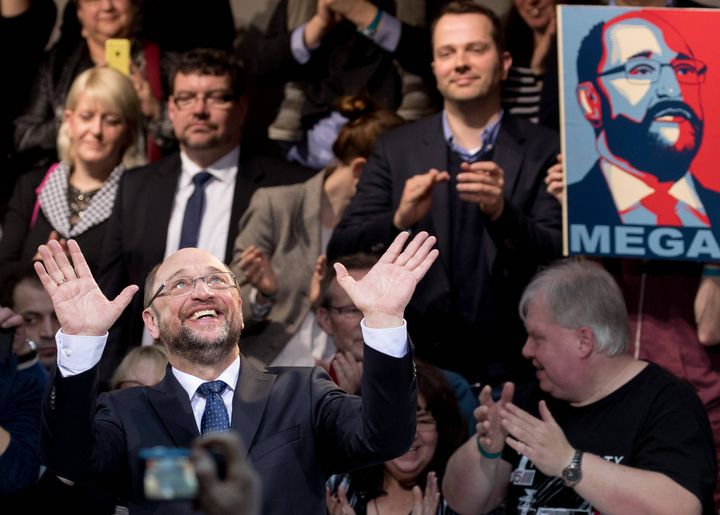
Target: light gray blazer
[(283, 222)]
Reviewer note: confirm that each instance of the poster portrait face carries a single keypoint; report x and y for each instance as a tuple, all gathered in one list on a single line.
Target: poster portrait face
[(648, 86), (636, 132)]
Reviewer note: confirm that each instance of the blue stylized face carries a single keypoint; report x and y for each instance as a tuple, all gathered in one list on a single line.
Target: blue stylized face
[(649, 84)]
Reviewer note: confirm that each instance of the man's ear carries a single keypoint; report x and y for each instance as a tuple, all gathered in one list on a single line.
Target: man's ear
[(506, 64), (586, 341), (151, 323), (322, 315), (357, 165), (590, 103)]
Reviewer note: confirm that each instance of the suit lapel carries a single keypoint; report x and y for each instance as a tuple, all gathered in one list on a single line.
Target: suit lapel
[(163, 195), (245, 184), (172, 404), (252, 393), (509, 153), (436, 156)]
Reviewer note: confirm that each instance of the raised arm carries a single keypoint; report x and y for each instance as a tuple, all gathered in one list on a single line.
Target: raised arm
[(81, 307), (476, 476)]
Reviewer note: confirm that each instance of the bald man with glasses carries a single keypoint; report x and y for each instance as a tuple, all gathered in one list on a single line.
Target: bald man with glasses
[(193, 198)]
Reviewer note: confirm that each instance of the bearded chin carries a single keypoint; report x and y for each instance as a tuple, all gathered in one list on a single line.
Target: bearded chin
[(191, 346), (645, 150)]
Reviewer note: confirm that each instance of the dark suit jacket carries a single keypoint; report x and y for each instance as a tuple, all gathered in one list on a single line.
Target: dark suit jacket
[(299, 427), (527, 234), (137, 232)]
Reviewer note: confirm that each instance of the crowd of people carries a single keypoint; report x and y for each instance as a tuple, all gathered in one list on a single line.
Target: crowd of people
[(353, 301)]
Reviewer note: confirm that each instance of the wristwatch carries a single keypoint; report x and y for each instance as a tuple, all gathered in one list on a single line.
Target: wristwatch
[(572, 474)]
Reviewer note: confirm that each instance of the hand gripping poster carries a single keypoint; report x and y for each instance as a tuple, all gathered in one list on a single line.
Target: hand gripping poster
[(640, 100)]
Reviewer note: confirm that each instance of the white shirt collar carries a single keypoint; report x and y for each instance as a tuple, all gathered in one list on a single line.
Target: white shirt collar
[(191, 383), (628, 189), (222, 170)]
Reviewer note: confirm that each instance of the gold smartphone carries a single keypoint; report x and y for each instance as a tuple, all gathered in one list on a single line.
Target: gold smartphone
[(117, 54)]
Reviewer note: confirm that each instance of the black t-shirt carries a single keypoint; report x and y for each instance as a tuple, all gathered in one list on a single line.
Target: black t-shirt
[(654, 422)]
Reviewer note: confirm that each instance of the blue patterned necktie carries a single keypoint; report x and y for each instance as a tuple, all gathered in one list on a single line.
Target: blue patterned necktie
[(194, 211), (215, 417)]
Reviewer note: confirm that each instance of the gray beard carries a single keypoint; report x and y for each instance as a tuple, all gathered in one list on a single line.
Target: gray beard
[(190, 346)]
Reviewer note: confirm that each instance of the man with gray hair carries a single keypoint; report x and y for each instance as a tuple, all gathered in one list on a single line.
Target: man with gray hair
[(604, 433)]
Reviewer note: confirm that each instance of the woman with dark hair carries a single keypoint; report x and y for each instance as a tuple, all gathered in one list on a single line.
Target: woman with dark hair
[(285, 231), (408, 484), (529, 36), (36, 127)]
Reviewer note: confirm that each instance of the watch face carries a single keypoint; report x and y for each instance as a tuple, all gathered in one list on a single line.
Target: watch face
[(572, 473)]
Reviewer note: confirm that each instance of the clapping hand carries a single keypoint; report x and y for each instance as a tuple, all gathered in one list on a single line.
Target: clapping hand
[(542, 440), (80, 306), (482, 182), (490, 430), (258, 271)]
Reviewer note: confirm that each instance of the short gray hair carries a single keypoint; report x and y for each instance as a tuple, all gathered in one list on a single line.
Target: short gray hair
[(582, 293)]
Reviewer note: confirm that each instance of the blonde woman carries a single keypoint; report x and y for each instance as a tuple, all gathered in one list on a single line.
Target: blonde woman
[(97, 141)]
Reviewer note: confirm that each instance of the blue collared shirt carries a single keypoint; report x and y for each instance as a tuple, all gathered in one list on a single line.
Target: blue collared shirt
[(487, 139)]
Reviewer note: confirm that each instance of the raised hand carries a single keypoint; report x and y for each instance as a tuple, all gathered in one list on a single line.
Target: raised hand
[(542, 47), (416, 198), (426, 504), (542, 440), (258, 270), (12, 321), (489, 421), (338, 504), (360, 12), (555, 185), (482, 183), (80, 306), (149, 105), (384, 292), (316, 280)]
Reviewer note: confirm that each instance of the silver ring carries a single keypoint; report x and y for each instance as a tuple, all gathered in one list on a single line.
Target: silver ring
[(31, 343), (60, 282)]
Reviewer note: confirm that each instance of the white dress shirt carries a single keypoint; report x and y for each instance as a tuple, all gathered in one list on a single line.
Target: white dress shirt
[(219, 194), (78, 354)]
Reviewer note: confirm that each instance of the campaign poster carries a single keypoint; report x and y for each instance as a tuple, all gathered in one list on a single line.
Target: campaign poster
[(640, 102)]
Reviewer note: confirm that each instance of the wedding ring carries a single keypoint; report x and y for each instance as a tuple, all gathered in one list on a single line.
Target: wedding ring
[(60, 282)]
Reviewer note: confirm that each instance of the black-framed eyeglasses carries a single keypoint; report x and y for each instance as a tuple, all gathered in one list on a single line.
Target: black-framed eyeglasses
[(213, 99), (642, 70), (349, 311), (185, 284)]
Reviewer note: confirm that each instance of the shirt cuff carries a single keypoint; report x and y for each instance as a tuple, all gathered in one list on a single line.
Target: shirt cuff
[(390, 340), (77, 354), (387, 36), (299, 51)]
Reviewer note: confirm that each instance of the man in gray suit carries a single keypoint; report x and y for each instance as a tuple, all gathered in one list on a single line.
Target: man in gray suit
[(299, 426)]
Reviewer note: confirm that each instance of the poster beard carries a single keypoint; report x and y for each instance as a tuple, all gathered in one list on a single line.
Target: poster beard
[(645, 150), (204, 351)]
